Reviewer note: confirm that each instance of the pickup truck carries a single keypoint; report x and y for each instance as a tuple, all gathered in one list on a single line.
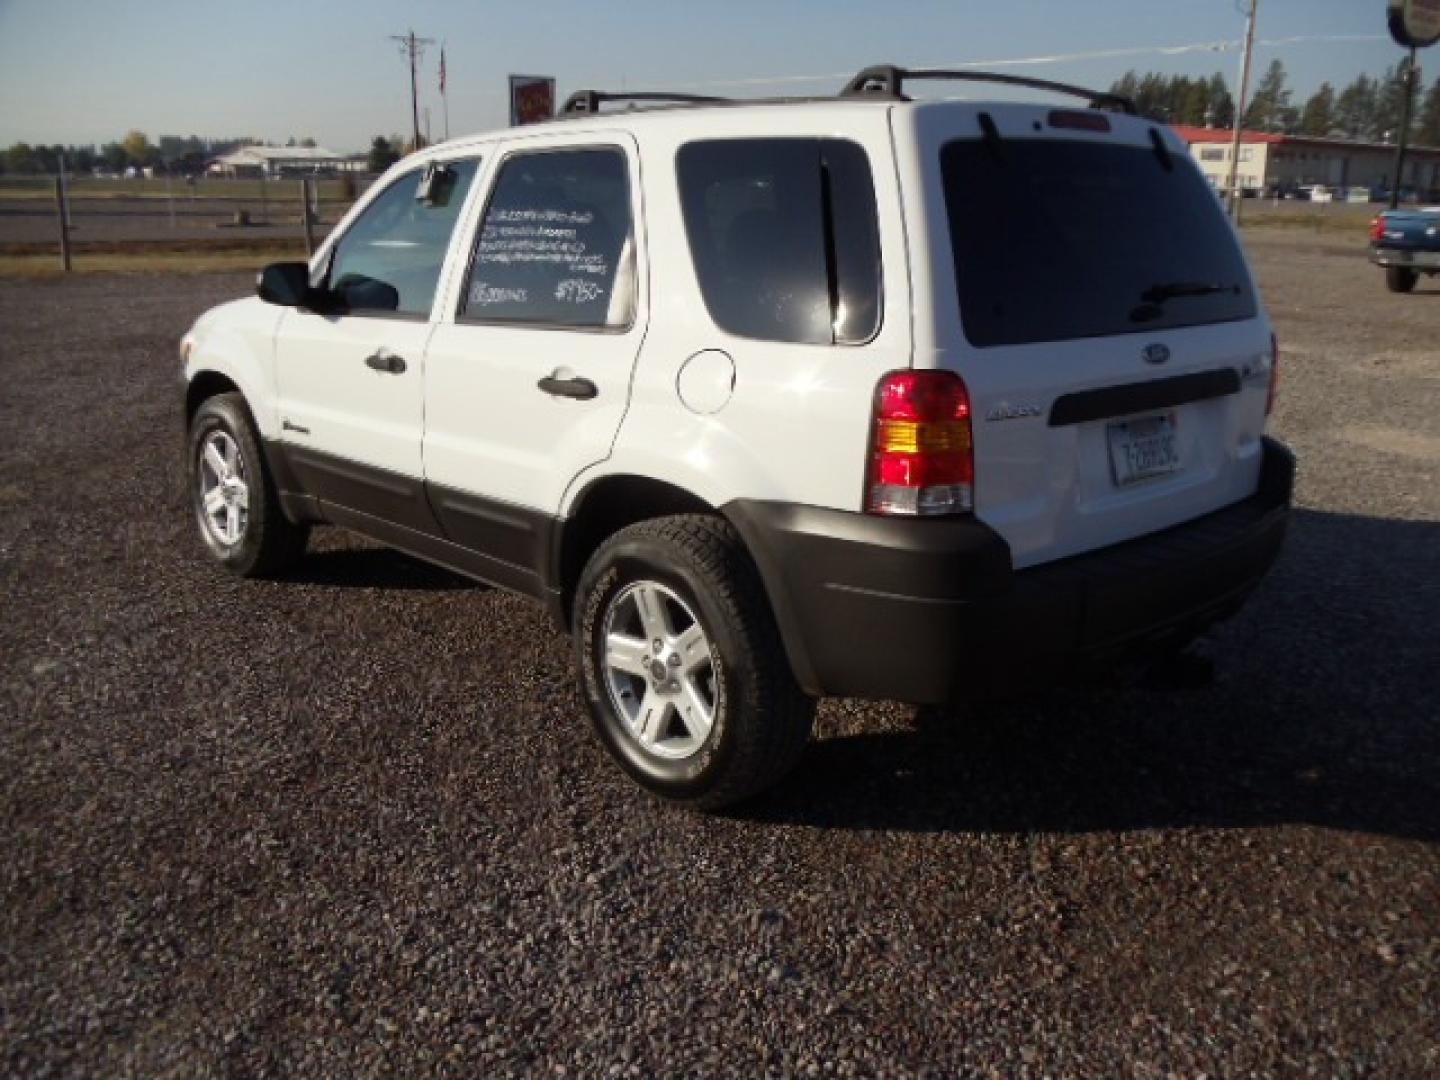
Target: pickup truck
[(1407, 244)]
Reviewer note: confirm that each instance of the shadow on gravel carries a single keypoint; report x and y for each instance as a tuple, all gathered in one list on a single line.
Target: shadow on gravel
[(374, 568), (1325, 711)]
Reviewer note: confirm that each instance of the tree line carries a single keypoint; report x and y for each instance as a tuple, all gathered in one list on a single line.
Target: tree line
[(171, 152), (1369, 109)]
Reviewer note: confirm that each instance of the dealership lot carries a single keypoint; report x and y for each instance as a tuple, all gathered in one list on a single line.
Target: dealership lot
[(356, 819)]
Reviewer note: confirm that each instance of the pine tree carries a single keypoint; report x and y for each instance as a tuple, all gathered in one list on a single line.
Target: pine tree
[(1390, 104), (1220, 106), (1127, 85), (1355, 109), (1319, 116), (1428, 130), (1270, 109), (1178, 99)]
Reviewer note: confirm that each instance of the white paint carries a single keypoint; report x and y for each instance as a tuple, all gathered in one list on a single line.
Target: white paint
[(794, 424)]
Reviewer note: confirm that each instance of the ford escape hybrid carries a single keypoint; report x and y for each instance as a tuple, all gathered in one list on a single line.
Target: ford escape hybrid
[(766, 401)]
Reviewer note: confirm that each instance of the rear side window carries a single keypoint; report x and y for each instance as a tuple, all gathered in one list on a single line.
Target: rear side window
[(1056, 240), (556, 245), (784, 237), (388, 261)]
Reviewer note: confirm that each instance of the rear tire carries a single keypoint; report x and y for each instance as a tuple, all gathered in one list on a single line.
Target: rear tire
[(682, 666), (1400, 279), (232, 493)]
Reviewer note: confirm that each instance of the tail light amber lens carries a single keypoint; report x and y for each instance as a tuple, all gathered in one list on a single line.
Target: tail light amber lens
[(922, 460)]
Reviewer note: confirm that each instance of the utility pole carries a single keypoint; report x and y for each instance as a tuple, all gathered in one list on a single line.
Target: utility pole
[(1234, 185), (413, 49), (1403, 143), (444, 97)]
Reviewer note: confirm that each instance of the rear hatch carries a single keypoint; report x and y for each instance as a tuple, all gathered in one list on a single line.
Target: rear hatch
[(1095, 300)]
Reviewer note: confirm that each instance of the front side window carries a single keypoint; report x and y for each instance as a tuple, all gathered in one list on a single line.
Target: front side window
[(784, 237), (388, 261), (556, 247)]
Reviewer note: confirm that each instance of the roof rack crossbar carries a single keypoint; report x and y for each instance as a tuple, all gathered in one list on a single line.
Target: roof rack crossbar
[(588, 102), (887, 80)]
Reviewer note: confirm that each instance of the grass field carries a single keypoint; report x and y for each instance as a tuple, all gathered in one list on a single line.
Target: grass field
[(43, 187), (1351, 218), (30, 261)]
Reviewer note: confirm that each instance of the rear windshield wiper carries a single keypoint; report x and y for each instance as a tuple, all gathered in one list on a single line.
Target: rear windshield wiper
[(1172, 290)]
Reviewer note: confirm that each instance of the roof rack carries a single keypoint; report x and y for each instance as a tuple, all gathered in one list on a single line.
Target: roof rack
[(588, 102), (887, 80)]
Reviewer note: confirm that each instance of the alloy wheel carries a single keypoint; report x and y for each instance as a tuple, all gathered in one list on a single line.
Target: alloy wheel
[(659, 670)]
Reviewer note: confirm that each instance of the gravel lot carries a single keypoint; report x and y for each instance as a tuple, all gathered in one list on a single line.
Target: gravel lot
[(354, 821)]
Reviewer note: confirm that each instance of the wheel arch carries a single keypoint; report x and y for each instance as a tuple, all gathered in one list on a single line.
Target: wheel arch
[(204, 385), (602, 508), (613, 502)]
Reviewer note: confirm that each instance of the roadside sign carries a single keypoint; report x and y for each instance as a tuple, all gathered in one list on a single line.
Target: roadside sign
[(1415, 24), (532, 98)]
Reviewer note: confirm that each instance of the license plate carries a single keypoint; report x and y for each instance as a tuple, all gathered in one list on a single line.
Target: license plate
[(1143, 448)]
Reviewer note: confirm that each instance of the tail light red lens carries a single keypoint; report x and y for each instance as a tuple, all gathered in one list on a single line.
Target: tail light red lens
[(922, 460), (1274, 374), (1377, 230)]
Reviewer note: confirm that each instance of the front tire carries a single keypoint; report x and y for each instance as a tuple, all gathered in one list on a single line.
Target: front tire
[(682, 666), (1400, 279), (233, 495)]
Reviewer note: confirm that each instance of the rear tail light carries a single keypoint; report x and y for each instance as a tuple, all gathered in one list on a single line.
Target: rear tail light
[(922, 460), (1274, 374), (1377, 230)]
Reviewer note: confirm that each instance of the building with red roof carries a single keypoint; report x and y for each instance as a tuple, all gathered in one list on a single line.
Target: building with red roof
[(1269, 162)]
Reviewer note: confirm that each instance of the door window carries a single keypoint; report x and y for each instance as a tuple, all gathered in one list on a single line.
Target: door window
[(556, 246), (388, 261)]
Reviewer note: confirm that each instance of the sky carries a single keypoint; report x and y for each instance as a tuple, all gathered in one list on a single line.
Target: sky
[(83, 71)]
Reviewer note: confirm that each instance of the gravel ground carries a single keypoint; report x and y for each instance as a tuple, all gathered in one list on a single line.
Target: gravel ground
[(354, 821)]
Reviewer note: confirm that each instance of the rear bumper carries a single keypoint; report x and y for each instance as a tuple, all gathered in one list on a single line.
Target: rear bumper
[(927, 611), (1413, 257)]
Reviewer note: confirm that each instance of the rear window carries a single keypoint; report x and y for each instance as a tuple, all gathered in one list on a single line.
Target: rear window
[(784, 237), (1056, 240)]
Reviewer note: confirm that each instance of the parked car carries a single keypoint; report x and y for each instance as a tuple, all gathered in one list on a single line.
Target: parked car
[(868, 397), (1406, 243)]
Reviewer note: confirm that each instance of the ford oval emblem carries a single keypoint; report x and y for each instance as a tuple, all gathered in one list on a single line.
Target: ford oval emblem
[(1156, 354)]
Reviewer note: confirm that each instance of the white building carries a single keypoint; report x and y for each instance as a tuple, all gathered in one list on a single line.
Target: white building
[(1287, 161), (273, 161)]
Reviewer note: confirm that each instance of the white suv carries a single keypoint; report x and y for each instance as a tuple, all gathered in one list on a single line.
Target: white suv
[(862, 396)]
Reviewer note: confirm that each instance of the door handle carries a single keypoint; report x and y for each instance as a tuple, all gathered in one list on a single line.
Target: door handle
[(388, 362), (572, 387)]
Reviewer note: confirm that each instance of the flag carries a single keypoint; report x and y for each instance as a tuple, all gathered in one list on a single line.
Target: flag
[(442, 70)]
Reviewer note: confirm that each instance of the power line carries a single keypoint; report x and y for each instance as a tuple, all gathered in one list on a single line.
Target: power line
[(413, 48), (1221, 46)]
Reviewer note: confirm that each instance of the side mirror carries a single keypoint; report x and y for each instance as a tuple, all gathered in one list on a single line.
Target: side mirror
[(436, 185), (284, 283)]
